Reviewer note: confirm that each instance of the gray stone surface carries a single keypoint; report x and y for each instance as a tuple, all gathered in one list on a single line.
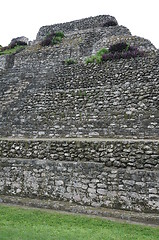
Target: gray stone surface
[(60, 118), (83, 172), (21, 39), (117, 98), (131, 154), (143, 44), (77, 25)]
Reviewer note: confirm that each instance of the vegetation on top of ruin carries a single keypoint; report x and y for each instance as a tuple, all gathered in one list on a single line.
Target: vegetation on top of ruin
[(13, 47), (115, 51), (12, 50), (52, 39)]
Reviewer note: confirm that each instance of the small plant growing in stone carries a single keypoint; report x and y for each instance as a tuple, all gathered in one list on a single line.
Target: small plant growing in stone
[(70, 61), (59, 34), (98, 57), (90, 59), (57, 38)]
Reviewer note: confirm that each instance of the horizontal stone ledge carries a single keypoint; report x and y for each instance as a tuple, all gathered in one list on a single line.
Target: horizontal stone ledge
[(88, 164), (117, 153), (47, 160), (80, 139), (112, 214)]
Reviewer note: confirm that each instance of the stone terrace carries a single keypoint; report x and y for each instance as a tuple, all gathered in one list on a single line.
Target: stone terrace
[(87, 134)]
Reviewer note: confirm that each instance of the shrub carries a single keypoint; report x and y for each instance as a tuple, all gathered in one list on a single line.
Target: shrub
[(102, 51), (98, 57), (116, 51), (134, 52), (132, 48), (110, 23), (17, 43), (52, 38), (119, 47), (59, 34), (8, 50), (47, 40), (57, 38), (90, 59), (14, 45)]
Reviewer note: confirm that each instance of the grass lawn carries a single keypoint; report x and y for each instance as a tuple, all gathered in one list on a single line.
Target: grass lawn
[(30, 224)]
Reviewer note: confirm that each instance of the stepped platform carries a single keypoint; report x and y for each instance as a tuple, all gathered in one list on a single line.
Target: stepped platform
[(81, 134)]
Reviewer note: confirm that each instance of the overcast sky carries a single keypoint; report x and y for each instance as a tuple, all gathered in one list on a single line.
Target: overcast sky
[(24, 18)]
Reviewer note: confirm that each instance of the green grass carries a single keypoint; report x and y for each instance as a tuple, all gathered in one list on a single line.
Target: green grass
[(12, 50), (29, 224)]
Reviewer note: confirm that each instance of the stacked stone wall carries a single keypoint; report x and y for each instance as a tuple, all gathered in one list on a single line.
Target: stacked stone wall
[(120, 174), (118, 98), (86, 134), (82, 24)]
